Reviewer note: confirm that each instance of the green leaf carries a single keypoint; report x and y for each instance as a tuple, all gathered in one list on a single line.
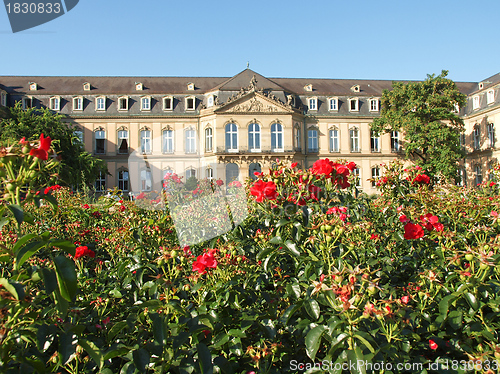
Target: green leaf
[(49, 280), (116, 294), (292, 247), (221, 339), (61, 304), (357, 356), (336, 341), (116, 352), (158, 328), (141, 359), (204, 359), (282, 222), (293, 289), (24, 239), (363, 337), (472, 300), (66, 277), (312, 308), (14, 288), (27, 251), (67, 346), (65, 245), (455, 319), (313, 339), (17, 211), (93, 351), (265, 253), (117, 327), (52, 200), (276, 240), (3, 222), (444, 305)]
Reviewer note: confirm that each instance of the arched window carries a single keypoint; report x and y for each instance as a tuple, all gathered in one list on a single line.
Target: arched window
[(146, 141), (232, 173), (254, 168), (277, 137), (254, 137), (208, 139), (168, 141), (334, 140), (231, 137), (123, 141), (354, 135)]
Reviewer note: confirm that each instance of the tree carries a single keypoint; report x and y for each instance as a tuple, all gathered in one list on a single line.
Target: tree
[(77, 166), (425, 113)]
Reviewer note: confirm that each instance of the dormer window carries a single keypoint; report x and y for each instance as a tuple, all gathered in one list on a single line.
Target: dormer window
[(33, 86), (355, 88), (146, 103), (28, 102), (100, 103), (308, 87), (481, 85), (86, 86), (333, 104), (168, 103), (475, 102), (138, 86), (373, 105), (313, 103), (490, 96), (3, 98), (210, 101), (123, 103), (78, 103), (55, 103), (190, 86), (190, 103), (353, 105)]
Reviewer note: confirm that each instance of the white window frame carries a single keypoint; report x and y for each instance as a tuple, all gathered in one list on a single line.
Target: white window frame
[(254, 133), (123, 180), (356, 172), (373, 105), (233, 144), (33, 86), (146, 176), (86, 86), (210, 101), (312, 140), (146, 141), (491, 134), (312, 103), (190, 141), (375, 175), (139, 86), (3, 98), (333, 104), (28, 102), (356, 106), (145, 103), (103, 132), (475, 102), (374, 142), (209, 173), (171, 98), (188, 108), (167, 141), (122, 135), (354, 139), (490, 96), (476, 137), (78, 103), (209, 139), (478, 174), (55, 103), (462, 173), (98, 101), (334, 140), (395, 142), (100, 182), (123, 99), (278, 135)]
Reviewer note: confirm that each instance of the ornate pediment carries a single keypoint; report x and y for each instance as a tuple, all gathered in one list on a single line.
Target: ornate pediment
[(252, 101)]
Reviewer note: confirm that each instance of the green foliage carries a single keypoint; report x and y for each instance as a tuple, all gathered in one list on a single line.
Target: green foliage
[(424, 112), (77, 166), (191, 183)]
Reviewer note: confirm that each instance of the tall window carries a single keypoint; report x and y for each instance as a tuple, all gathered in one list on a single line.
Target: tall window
[(354, 135), (374, 105), (297, 138), (3, 99), (395, 145), (123, 103), (190, 141), (190, 103), (146, 141), (123, 141), (357, 175), (276, 137), (168, 103), (146, 180), (478, 174), (100, 182), (79, 136), (78, 103), (462, 140), (353, 105), (101, 103), (28, 103), (55, 103), (232, 172), (190, 173), (231, 137), (475, 102), (312, 141), (168, 141), (477, 137), (209, 173), (491, 135), (334, 140), (208, 139), (100, 142), (375, 176), (254, 168), (375, 142), (462, 177), (490, 96), (123, 180), (146, 103), (333, 104), (313, 103), (254, 137)]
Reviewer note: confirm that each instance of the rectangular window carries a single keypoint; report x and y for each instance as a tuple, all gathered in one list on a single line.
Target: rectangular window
[(312, 143), (353, 105), (28, 102), (313, 104), (190, 173), (100, 142), (78, 135), (462, 181), (373, 105), (357, 175), (334, 140), (123, 103), (208, 139), (190, 103), (100, 182), (333, 104), (123, 180), (491, 135), (123, 141), (477, 137), (190, 141), (395, 145), (168, 141), (490, 96), (479, 175), (78, 103), (168, 103), (146, 180), (375, 142), (146, 141), (146, 103), (210, 174), (297, 139), (3, 99), (354, 134), (375, 176), (101, 103), (55, 103), (475, 102), (462, 141)]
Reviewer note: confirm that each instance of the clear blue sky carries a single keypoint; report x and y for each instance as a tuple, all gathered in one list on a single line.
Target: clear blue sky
[(399, 39)]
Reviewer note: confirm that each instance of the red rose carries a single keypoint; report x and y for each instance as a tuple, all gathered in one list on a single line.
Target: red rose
[(422, 178), (413, 231), (84, 251), (433, 344), (405, 299), (324, 166), (351, 166), (262, 190), (42, 151)]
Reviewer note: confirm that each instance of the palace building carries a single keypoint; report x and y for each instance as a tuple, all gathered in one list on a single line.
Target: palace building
[(229, 128)]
